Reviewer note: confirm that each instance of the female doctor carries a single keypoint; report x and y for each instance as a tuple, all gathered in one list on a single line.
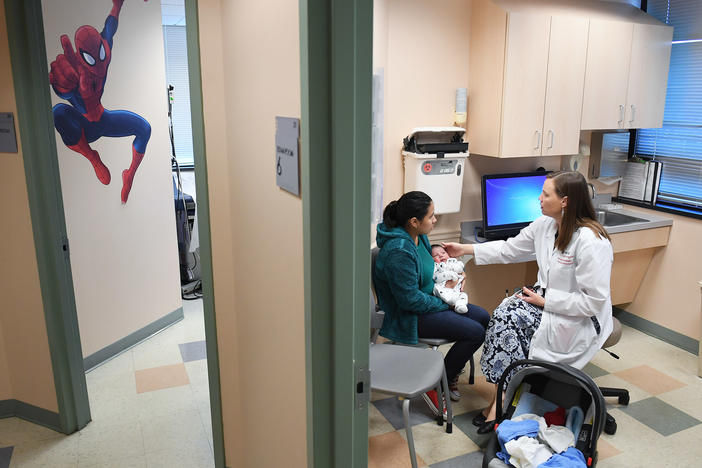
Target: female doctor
[(567, 316)]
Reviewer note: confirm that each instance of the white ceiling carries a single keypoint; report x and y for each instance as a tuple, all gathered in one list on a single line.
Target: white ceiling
[(173, 12)]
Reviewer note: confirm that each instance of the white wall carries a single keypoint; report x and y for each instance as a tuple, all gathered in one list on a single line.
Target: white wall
[(124, 257)]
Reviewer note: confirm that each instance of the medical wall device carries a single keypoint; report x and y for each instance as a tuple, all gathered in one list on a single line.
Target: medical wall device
[(434, 159)]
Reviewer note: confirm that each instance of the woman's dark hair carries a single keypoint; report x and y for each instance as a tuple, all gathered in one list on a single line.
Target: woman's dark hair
[(579, 211), (410, 205)]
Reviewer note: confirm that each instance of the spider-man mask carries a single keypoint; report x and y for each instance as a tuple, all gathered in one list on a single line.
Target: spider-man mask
[(93, 51)]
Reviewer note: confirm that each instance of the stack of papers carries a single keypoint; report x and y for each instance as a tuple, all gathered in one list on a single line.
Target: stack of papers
[(640, 181)]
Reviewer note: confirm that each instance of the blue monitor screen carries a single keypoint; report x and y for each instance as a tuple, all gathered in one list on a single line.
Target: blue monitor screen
[(512, 198)]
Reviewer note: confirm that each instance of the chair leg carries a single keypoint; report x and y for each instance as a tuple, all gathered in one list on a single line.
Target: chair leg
[(622, 394), (447, 402), (440, 400), (471, 376), (408, 430)]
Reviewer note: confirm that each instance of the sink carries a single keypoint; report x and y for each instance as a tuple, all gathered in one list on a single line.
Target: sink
[(610, 218)]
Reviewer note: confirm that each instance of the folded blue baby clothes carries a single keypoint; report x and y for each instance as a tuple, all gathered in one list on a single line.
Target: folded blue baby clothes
[(571, 458), (508, 430)]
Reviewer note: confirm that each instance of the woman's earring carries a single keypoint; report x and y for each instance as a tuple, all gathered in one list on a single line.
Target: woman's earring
[(562, 211)]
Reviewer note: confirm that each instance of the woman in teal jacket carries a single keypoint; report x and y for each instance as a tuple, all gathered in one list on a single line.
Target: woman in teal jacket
[(403, 282)]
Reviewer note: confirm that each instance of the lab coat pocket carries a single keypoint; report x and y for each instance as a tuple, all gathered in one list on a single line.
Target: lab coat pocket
[(565, 334)]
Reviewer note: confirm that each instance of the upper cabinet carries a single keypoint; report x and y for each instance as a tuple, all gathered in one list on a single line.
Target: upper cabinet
[(526, 82), (542, 71), (626, 75)]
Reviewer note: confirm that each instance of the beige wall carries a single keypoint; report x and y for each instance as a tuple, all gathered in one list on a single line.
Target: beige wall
[(251, 73), (25, 363), (124, 256), (423, 48)]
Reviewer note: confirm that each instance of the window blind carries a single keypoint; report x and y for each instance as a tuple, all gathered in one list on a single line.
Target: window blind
[(678, 144), (177, 76)]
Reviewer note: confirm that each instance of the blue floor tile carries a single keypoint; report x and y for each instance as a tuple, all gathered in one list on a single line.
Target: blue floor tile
[(193, 351), (465, 423), (594, 371), (5, 455), (468, 460), (659, 416)]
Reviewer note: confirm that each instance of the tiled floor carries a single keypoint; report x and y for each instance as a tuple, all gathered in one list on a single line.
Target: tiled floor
[(150, 408), (661, 426)]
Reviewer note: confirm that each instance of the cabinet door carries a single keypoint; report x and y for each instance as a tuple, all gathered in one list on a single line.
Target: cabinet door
[(648, 75), (564, 85), (606, 74), (524, 85)]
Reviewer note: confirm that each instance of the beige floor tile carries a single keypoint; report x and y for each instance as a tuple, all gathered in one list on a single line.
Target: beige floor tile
[(133, 461), (158, 378), (15, 431), (377, 423), (687, 399), (157, 351), (606, 450), (59, 452), (433, 444), (390, 451), (613, 381), (165, 402), (174, 432), (197, 372), (105, 387), (197, 455), (101, 443), (650, 380)]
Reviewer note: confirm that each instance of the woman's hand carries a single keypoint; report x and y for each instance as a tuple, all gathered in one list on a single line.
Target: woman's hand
[(454, 249), (531, 297)]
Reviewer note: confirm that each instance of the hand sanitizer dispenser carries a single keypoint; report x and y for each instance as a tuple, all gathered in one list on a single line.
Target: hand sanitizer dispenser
[(434, 159)]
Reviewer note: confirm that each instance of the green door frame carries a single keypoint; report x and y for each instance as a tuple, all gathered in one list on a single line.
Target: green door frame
[(25, 30), (29, 67), (336, 79)]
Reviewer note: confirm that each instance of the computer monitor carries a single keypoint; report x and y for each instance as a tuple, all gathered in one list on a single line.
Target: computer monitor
[(510, 202)]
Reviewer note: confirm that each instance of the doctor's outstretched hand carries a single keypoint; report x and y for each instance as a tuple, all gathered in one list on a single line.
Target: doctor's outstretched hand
[(454, 249)]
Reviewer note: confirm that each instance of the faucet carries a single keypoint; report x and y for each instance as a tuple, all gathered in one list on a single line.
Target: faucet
[(594, 192)]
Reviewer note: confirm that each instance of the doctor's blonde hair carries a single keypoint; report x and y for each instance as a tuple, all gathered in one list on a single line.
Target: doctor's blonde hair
[(578, 211)]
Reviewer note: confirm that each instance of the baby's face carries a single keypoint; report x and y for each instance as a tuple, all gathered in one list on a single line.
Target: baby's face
[(439, 254)]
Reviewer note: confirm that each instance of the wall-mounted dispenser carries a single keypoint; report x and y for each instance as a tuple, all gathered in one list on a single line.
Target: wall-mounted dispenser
[(434, 160)]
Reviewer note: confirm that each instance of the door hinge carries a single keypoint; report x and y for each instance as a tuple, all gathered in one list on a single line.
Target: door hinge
[(362, 390)]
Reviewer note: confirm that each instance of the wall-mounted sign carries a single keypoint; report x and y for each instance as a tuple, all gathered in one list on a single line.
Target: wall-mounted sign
[(8, 138), (287, 137)]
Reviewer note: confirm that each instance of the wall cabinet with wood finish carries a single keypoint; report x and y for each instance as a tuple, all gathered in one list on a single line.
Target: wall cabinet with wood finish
[(626, 75), (542, 71)]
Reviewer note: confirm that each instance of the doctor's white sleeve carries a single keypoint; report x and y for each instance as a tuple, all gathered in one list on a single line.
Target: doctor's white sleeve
[(514, 250), (593, 271)]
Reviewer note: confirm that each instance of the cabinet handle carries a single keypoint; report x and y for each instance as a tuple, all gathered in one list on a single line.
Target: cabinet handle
[(551, 145), (633, 111), (621, 114), (538, 140)]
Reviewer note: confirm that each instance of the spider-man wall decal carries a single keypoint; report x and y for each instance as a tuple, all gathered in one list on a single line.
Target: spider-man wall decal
[(79, 77)]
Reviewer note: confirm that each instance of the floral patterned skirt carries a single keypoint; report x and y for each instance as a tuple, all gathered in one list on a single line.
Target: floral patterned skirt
[(508, 336)]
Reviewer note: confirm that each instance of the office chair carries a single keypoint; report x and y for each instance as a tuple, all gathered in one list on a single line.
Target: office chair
[(622, 394)]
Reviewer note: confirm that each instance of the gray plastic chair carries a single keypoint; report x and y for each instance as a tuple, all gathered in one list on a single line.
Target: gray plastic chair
[(407, 372)]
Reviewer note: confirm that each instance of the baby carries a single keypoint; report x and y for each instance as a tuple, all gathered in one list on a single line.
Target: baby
[(449, 270)]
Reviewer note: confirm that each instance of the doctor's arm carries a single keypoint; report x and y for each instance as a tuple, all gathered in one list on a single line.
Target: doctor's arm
[(592, 283)]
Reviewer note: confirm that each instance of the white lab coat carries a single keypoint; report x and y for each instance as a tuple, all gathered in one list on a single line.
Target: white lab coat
[(577, 288)]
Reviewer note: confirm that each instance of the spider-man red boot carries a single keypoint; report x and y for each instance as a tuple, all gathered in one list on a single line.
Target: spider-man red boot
[(101, 171), (128, 174)]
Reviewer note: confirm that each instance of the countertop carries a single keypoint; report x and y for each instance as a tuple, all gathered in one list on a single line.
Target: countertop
[(652, 221)]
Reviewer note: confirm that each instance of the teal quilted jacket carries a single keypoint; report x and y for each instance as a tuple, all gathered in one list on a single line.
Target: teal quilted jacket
[(396, 278)]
